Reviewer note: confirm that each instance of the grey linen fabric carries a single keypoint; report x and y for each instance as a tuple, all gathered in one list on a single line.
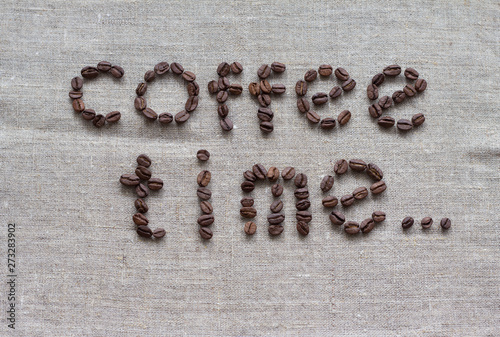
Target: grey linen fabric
[(83, 271)]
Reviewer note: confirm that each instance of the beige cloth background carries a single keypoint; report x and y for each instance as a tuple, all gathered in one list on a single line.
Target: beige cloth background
[(84, 272)]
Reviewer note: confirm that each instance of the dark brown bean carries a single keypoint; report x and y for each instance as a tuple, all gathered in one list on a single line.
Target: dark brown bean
[(420, 85), (213, 87), (204, 178), (99, 120), (426, 222), (150, 114), (235, 89), (193, 89), (278, 89), (374, 172), (275, 218), (409, 90), (78, 105), (386, 121), (75, 94), (341, 167), (206, 207), (302, 228), (275, 230), (347, 200), (310, 75), (375, 110), (330, 201), (181, 117), (378, 187), (304, 216), (155, 184), (89, 72), (264, 71), (226, 124), (144, 231), (206, 233), (319, 98), (161, 68), (378, 79), (205, 220), (265, 87), (351, 228), (254, 89), (335, 92), (325, 70), (372, 92), (265, 114), (273, 173), (264, 99), (349, 84), (302, 204), (143, 172), (130, 180), (77, 83), (144, 160), (222, 110), (250, 228), (418, 119), (392, 70), (176, 68), (385, 102), (140, 219), (140, 103), (367, 225), (300, 180), (276, 206), (260, 171), (278, 67), (301, 193), (301, 88), (327, 123), (248, 212), (288, 173), (398, 96), (360, 193), (142, 191), (204, 193), (223, 69), (191, 103), (344, 117), (158, 233), (236, 67), (249, 175), (165, 118), (341, 74), (266, 127), (407, 222), (149, 76), (117, 71), (141, 89), (247, 202), (303, 104), (141, 206), (337, 218), (378, 216), (313, 117), (445, 223), (411, 74), (327, 183), (113, 116), (88, 114), (203, 155), (223, 83), (357, 165), (247, 186), (404, 125)]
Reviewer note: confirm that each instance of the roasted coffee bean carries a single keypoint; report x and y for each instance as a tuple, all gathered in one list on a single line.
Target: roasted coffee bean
[(445, 223), (247, 186), (235, 89), (264, 99), (404, 125), (276, 206), (301, 88), (206, 233), (275, 218), (275, 230), (378, 187), (250, 228), (99, 120), (374, 172), (140, 219), (426, 222), (155, 184), (378, 79), (236, 68), (304, 216), (265, 114), (372, 92), (223, 69), (351, 227), (303, 204), (165, 118), (347, 200), (375, 110), (149, 76), (278, 89), (264, 71), (344, 117), (320, 98), (248, 212), (150, 114), (144, 231), (288, 173), (78, 105), (206, 220), (249, 175), (409, 90), (327, 183), (206, 207), (302, 228), (303, 104), (273, 173), (254, 89), (113, 117), (398, 96), (140, 103), (266, 127), (144, 160), (142, 191), (88, 114), (204, 193), (357, 165), (265, 87), (223, 110), (407, 222), (226, 124), (117, 71), (191, 103), (335, 92), (420, 85), (418, 119), (193, 89), (330, 201), (341, 167), (141, 206), (327, 123), (247, 202), (89, 72), (386, 121), (411, 74), (75, 94), (300, 180), (301, 193), (176, 68), (223, 83), (310, 75), (360, 193), (203, 155), (367, 225), (213, 87), (392, 70), (158, 233), (130, 180), (313, 117), (143, 172), (141, 89), (385, 102), (181, 117), (77, 83), (278, 67), (378, 216), (349, 84), (341, 74), (260, 171), (325, 70), (337, 218), (161, 68)]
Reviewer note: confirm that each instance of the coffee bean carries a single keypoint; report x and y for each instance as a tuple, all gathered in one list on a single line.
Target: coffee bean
[(301, 193), (265, 114), (347, 200), (88, 114), (144, 160), (155, 184), (344, 117), (248, 212), (260, 171), (398, 96), (204, 193), (335, 92), (223, 69), (113, 116), (304, 216), (250, 228), (273, 173), (420, 85), (165, 118), (313, 117), (144, 231), (226, 124), (278, 89), (327, 123), (249, 175), (264, 71), (276, 206), (360, 193), (161, 68), (275, 230), (330, 201), (223, 83), (247, 186), (254, 89), (409, 90), (143, 172), (89, 72), (191, 103), (77, 83), (278, 67), (78, 105), (372, 92), (445, 223), (357, 165), (149, 76), (374, 172), (378, 79), (140, 219), (265, 87), (301, 88), (235, 89), (158, 233), (104, 66), (418, 119), (385, 102), (176, 68), (117, 71), (130, 180), (247, 202), (213, 87), (303, 204), (150, 114), (349, 84), (303, 104), (407, 222), (310, 75), (99, 121), (325, 70), (375, 110), (327, 183), (275, 218), (141, 206), (223, 110), (386, 121), (181, 117), (141, 89), (288, 173), (300, 180), (140, 103), (378, 187), (320, 98), (337, 218), (206, 220), (426, 222), (193, 89), (264, 99), (75, 94), (341, 167), (411, 74), (378, 216), (236, 68), (203, 155), (141, 191), (206, 207), (302, 228), (392, 70), (341, 74), (206, 233), (367, 225), (404, 125), (351, 227)]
